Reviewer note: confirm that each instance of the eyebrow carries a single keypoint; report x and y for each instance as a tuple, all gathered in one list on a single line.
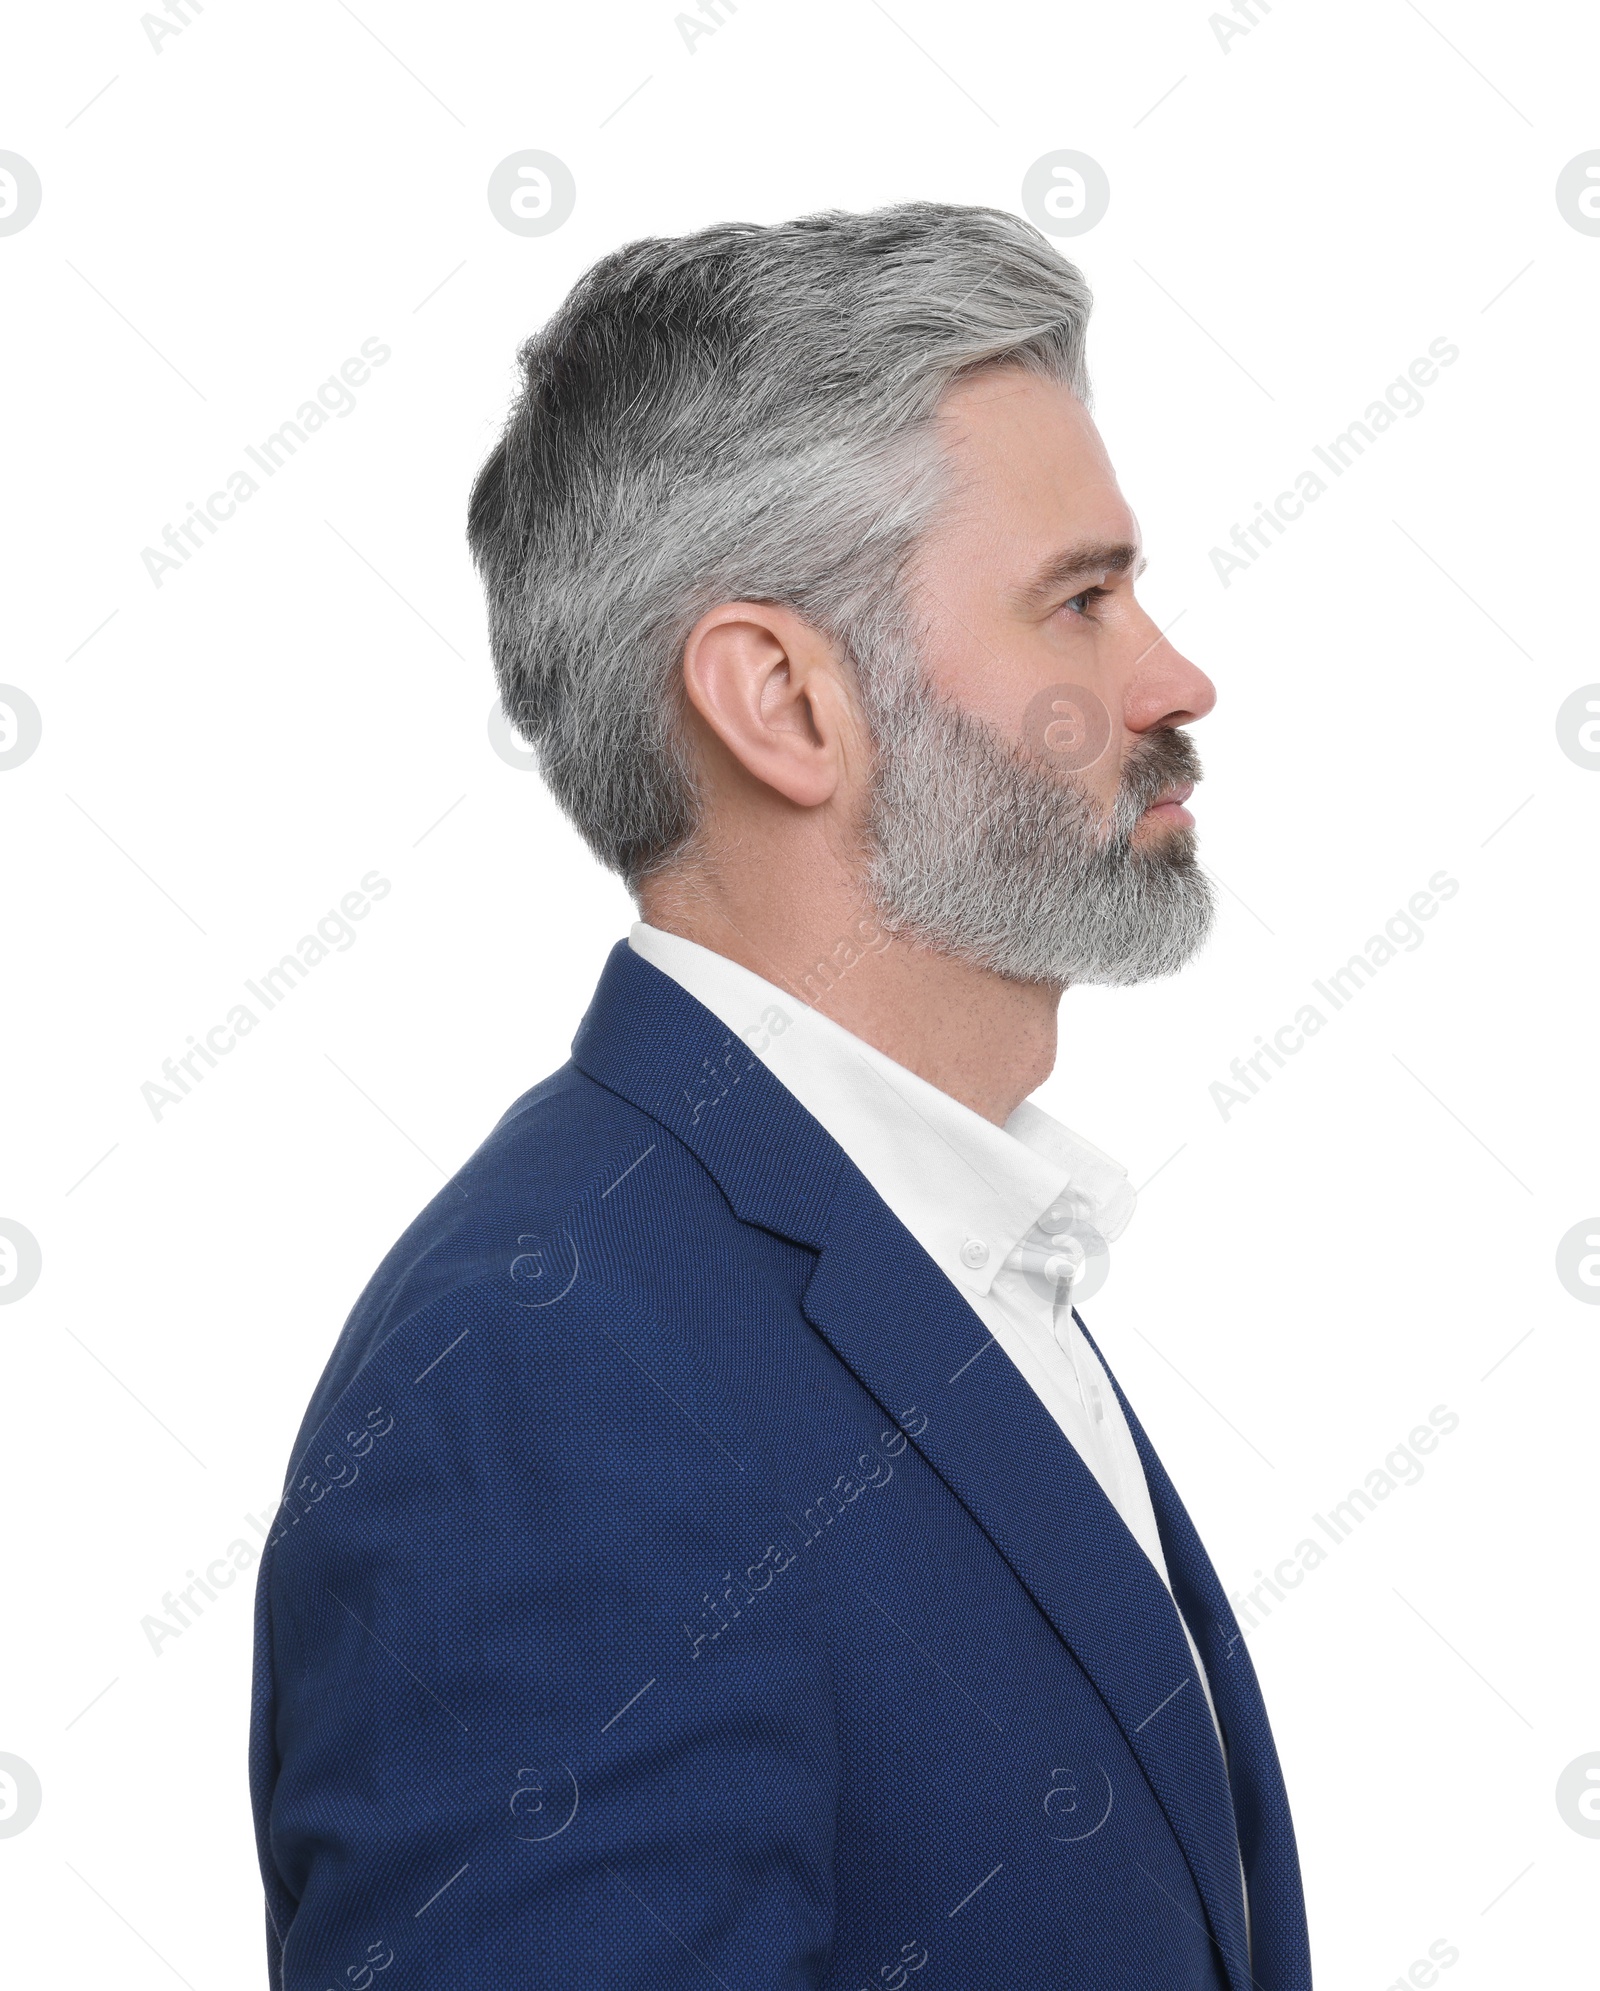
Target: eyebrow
[(1076, 563)]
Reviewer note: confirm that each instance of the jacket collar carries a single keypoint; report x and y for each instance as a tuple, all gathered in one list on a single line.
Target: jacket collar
[(914, 1344), (649, 1040)]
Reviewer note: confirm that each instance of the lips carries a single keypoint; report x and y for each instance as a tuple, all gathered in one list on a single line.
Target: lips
[(1179, 795)]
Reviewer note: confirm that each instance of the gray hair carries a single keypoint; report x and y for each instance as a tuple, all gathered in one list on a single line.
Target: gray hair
[(742, 414)]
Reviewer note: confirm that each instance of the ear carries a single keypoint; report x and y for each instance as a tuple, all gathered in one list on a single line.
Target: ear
[(776, 696)]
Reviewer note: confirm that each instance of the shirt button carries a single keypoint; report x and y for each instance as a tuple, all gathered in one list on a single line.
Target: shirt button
[(974, 1253), (1067, 1261)]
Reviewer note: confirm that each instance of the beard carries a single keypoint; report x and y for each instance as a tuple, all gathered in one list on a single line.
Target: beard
[(991, 852)]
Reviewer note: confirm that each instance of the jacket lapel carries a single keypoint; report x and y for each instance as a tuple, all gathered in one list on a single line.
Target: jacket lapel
[(1261, 1803), (910, 1338), (912, 1341)]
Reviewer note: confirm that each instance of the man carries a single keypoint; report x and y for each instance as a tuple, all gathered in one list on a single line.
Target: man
[(716, 1553)]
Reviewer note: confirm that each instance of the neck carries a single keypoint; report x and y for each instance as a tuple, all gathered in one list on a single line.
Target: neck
[(985, 1041)]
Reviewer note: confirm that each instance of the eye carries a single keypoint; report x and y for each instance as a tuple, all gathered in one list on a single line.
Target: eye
[(1080, 603)]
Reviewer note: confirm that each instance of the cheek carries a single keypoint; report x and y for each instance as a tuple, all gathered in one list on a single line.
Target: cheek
[(1069, 727), (1104, 779), (970, 668)]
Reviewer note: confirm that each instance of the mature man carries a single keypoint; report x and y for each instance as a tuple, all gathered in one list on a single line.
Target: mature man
[(716, 1553)]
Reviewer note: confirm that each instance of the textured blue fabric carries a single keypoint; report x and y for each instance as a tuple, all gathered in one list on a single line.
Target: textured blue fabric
[(674, 1586)]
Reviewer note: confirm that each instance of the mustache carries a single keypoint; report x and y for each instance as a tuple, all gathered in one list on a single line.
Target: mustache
[(1158, 762)]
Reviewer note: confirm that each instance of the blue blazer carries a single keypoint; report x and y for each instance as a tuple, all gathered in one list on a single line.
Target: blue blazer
[(675, 1587)]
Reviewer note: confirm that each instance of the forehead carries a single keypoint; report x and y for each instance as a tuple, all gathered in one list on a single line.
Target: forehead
[(1028, 459)]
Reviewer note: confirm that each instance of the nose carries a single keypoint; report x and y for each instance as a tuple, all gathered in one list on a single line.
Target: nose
[(1164, 688)]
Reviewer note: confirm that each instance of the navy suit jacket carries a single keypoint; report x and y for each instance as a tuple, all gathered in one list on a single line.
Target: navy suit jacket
[(676, 1587)]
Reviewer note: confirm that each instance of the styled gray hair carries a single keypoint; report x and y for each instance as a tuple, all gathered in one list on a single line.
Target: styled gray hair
[(742, 414)]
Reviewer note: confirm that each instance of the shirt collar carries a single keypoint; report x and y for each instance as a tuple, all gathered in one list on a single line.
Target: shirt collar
[(968, 1191)]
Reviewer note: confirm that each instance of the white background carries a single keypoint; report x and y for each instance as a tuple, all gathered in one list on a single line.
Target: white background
[(1292, 221)]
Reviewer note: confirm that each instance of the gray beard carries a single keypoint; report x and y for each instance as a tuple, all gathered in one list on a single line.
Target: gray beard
[(982, 850)]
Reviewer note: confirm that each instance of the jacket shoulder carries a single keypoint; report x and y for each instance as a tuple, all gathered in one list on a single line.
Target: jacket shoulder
[(493, 1227)]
